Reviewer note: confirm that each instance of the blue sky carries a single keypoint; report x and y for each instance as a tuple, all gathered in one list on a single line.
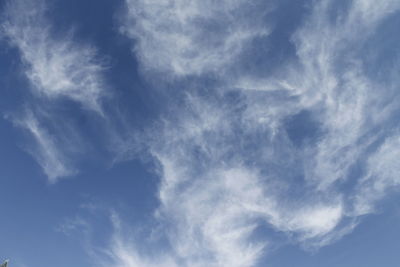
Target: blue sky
[(165, 133)]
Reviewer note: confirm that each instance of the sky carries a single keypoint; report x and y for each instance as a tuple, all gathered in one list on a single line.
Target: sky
[(200, 133)]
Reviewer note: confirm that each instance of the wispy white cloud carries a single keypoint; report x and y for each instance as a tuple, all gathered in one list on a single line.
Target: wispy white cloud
[(212, 200), (123, 252), (329, 80), (55, 66), (192, 37), (227, 162), (215, 178), (381, 178), (229, 166), (332, 79), (46, 149)]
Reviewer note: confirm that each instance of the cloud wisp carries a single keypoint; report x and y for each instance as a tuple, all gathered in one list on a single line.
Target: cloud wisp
[(57, 68), (233, 161), (192, 37), (300, 152), (45, 149)]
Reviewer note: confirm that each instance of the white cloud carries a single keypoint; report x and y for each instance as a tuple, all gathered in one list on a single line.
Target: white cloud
[(123, 252), (212, 184), (183, 37), (226, 168), (46, 149), (55, 66), (229, 166), (383, 176), (329, 80), (213, 217)]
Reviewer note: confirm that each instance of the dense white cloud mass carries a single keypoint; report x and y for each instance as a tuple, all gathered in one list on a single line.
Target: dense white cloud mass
[(56, 66), (231, 164), (183, 37)]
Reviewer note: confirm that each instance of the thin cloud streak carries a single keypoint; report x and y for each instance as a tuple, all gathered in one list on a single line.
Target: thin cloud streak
[(46, 149)]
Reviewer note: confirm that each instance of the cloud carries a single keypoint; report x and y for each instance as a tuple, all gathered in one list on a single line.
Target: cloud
[(192, 37), (124, 253), (213, 217), (46, 149), (55, 66), (333, 79), (382, 176), (229, 163), (214, 194), (218, 172), (231, 158)]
